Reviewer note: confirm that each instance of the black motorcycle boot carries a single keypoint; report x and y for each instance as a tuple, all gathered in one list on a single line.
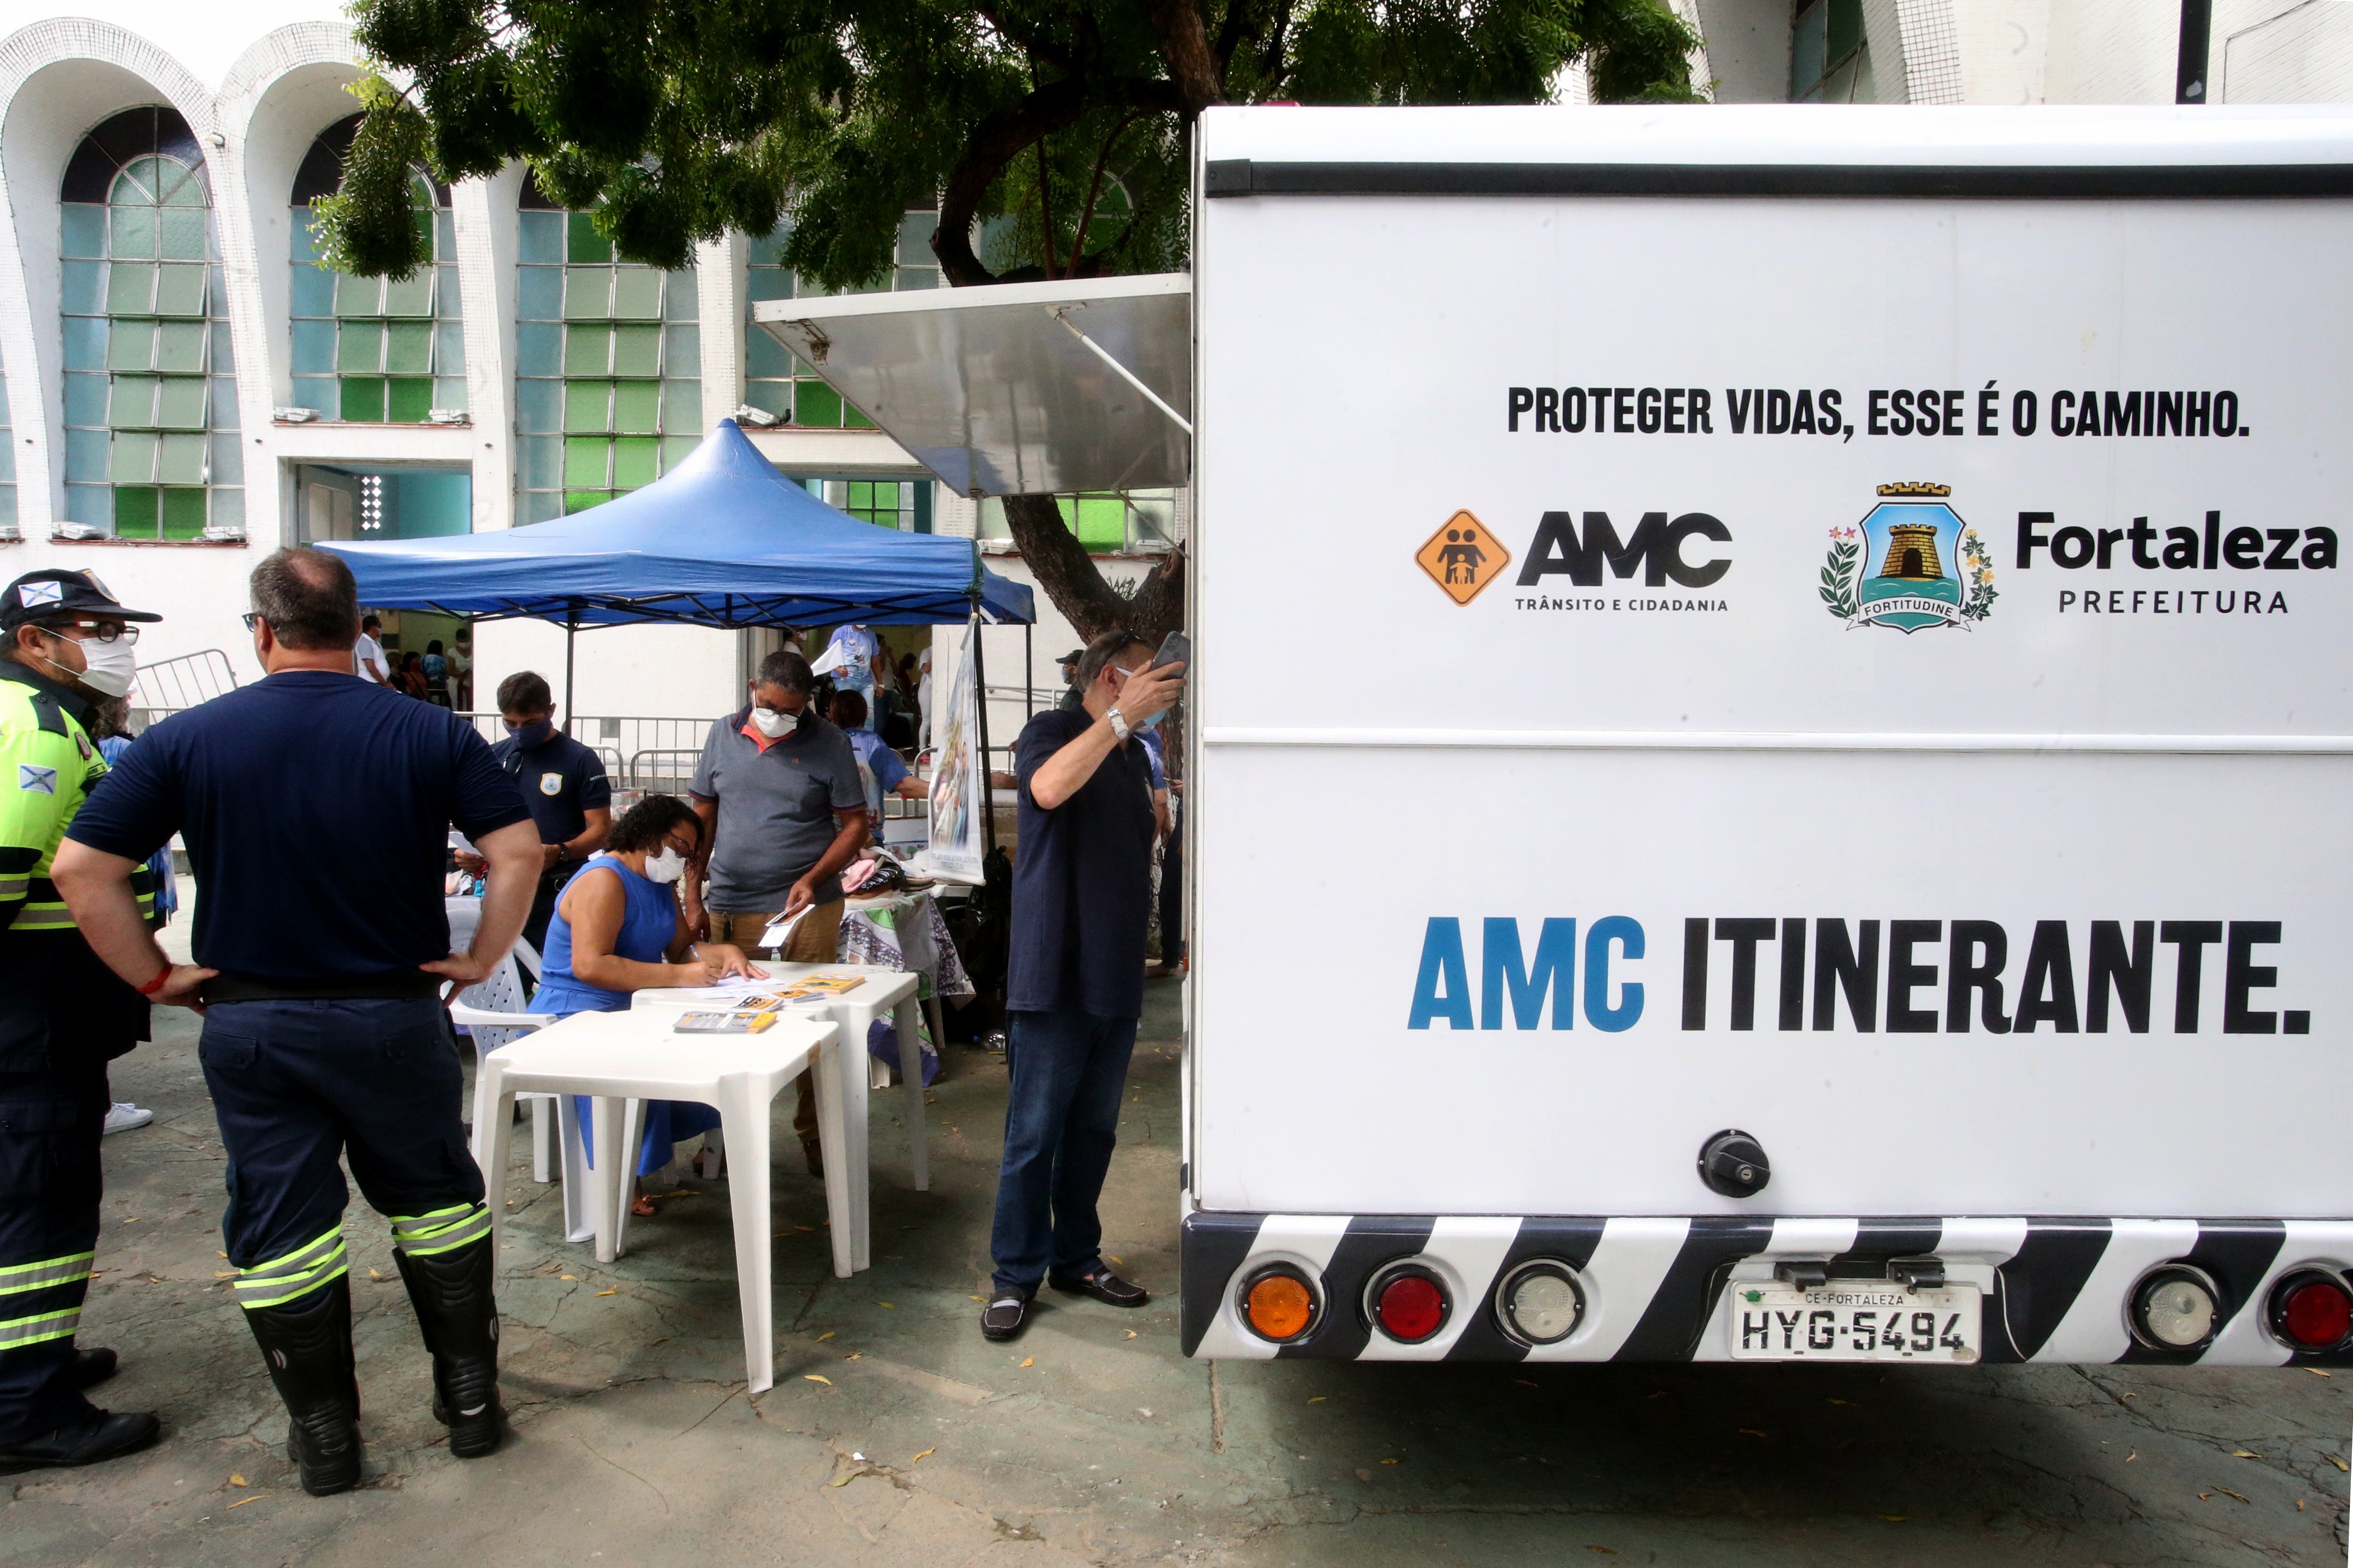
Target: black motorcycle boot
[(459, 1319), (307, 1345)]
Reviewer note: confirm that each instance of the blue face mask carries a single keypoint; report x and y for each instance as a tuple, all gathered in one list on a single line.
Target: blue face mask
[(534, 734), (1149, 721)]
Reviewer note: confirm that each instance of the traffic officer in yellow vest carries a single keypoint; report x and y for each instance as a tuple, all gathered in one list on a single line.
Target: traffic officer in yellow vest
[(65, 645)]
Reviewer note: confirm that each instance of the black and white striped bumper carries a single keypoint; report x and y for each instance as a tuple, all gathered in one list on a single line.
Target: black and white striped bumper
[(2055, 1288)]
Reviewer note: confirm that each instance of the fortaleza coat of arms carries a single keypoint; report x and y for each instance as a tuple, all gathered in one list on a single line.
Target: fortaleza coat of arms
[(1911, 563)]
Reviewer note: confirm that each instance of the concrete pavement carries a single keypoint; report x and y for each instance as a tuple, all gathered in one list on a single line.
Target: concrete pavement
[(896, 1435)]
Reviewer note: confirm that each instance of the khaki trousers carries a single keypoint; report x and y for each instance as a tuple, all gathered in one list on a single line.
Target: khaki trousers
[(816, 940)]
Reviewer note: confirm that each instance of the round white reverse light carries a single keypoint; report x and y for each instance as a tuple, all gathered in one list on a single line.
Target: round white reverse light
[(2177, 1311), (1541, 1304)]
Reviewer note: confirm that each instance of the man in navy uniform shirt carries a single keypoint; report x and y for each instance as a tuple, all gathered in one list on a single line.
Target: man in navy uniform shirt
[(1075, 980), (564, 787), (316, 810)]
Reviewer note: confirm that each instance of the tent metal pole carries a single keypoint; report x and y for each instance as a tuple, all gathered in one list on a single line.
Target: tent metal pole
[(1028, 671), (571, 631), (980, 690)]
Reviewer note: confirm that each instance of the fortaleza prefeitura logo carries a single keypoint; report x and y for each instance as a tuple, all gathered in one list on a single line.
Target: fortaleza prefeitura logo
[(1911, 563)]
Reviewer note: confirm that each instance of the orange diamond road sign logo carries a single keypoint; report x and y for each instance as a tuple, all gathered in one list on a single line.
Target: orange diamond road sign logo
[(1463, 557)]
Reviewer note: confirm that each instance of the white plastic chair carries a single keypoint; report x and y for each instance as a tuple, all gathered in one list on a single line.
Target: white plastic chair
[(494, 1014), (612, 1056)]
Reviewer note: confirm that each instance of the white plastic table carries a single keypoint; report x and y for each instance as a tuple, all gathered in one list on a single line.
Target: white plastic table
[(636, 1055), (886, 992)]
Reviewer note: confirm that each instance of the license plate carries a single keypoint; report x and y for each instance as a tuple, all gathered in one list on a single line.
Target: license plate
[(1858, 1320)]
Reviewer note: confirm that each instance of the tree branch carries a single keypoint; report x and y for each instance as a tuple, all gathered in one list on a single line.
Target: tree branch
[(1095, 191), (999, 138), (1030, 42), (1065, 572), (1271, 62), (1185, 44), (1229, 33)]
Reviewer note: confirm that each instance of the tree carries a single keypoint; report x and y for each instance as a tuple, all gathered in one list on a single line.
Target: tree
[(1053, 136)]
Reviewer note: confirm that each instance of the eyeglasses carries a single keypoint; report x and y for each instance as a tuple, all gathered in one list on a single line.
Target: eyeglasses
[(685, 851), (94, 631), (251, 618)]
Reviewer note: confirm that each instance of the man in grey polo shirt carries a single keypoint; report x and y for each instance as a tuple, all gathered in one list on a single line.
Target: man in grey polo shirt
[(782, 811)]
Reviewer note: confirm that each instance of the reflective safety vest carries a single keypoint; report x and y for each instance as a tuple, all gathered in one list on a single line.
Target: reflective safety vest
[(47, 768)]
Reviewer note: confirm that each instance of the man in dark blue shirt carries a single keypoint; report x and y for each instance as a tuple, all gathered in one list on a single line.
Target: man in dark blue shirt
[(564, 787), (316, 810), (1075, 985)]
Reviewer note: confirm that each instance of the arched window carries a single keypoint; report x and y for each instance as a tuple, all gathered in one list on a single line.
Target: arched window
[(7, 465), (773, 381), (367, 351), (150, 395), (608, 367)]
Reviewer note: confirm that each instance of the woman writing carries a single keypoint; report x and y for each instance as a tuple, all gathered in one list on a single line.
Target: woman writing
[(618, 928)]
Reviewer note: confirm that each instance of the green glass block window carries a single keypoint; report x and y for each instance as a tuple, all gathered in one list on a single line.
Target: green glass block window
[(608, 366), (1828, 60), (7, 465), (787, 387), (367, 351), (150, 412), (1130, 523), (901, 504)]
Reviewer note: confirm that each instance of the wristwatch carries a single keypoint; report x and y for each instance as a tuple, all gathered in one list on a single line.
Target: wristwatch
[(1118, 722)]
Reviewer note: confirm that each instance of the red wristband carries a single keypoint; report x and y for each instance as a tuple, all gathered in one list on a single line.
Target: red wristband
[(157, 983)]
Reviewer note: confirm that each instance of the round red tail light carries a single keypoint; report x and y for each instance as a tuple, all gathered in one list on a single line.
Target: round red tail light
[(1409, 1303), (2313, 1310)]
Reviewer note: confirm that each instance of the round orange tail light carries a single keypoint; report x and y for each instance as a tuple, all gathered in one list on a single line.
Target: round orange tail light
[(1278, 1304)]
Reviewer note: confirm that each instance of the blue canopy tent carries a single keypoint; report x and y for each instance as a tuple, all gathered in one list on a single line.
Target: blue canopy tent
[(723, 539)]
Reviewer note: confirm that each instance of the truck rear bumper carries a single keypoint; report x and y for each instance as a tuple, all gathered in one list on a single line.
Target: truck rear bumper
[(2055, 1288)]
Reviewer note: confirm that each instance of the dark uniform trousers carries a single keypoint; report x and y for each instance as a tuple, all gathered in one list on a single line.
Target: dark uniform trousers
[(62, 1016), (551, 887), (297, 1084)]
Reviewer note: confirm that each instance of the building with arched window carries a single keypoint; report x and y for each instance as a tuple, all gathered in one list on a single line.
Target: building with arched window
[(367, 350), (151, 406)]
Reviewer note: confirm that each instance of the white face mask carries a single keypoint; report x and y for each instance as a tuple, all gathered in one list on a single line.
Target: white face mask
[(107, 666), (667, 866), (772, 724)]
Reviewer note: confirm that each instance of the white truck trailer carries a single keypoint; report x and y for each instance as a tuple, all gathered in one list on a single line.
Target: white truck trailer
[(1770, 738)]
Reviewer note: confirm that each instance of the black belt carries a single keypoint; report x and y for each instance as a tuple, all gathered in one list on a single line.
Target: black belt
[(399, 986)]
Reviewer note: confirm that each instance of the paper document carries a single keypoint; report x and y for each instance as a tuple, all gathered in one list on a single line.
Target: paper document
[(780, 931)]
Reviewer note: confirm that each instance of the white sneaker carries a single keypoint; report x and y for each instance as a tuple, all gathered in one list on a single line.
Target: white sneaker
[(123, 1116)]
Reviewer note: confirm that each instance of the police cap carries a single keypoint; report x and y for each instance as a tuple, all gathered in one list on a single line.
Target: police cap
[(55, 591)]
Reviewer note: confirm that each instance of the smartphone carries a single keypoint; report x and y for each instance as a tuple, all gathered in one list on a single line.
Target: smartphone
[(1174, 648)]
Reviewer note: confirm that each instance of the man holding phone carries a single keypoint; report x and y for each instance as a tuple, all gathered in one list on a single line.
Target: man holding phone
[(1075, 985)]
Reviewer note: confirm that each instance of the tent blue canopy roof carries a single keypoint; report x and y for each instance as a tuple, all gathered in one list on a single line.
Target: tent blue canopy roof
[(723, 539)]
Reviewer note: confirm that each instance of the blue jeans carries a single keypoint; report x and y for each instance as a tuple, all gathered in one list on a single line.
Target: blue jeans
[(1069, 1070)]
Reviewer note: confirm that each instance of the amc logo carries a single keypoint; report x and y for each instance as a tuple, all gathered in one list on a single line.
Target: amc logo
[(1464, 556)]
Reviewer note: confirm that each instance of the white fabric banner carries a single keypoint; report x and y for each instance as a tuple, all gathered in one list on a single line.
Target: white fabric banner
[(957, 791)]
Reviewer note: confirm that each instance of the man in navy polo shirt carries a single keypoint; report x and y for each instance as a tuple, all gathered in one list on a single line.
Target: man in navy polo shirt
[(1075, 980), (564, 787), (316, 810)]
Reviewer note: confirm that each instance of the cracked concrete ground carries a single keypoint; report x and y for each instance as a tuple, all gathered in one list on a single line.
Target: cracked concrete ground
[(896, 1435)]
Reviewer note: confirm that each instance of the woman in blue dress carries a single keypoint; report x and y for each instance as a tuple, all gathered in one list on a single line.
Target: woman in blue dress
[(615, 929)]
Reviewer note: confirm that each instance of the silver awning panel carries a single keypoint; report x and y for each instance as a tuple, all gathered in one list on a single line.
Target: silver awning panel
[(1006, 390)]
